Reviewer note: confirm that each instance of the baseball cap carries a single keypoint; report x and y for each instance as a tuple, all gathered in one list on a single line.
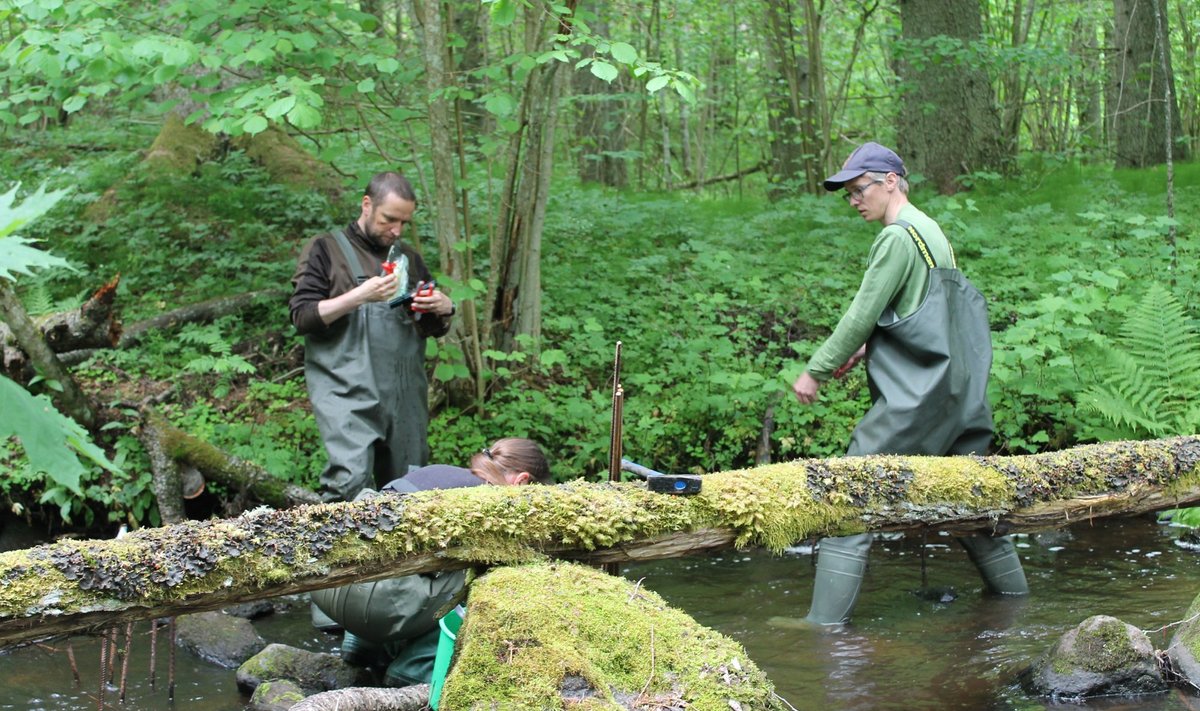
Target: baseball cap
[(869, 157)]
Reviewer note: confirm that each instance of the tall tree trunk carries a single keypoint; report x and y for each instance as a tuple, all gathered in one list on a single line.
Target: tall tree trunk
[(1085, 85), (446, 142), (949, 124), (790, 103), (515, 284), (1138, 87), (1013, 81)]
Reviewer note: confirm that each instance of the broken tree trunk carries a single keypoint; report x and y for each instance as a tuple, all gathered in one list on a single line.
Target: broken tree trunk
[(194, 566), (68, 397), (93, 325)]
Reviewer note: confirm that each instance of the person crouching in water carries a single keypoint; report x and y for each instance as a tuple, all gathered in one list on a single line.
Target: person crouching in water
[(923, 330), (390, 624)]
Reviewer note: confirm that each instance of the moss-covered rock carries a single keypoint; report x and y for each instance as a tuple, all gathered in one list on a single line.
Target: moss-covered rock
[(276, 695), (556, 636), (1102, 656), (1184, 650), (312, 671)]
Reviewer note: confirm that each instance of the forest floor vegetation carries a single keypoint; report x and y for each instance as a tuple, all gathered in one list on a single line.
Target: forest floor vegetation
[(717, 300)]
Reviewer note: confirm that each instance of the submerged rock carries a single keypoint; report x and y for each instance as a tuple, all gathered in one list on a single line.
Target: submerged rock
[(312, 671), (555, 636), (222, 639), (251, 610), (1102, 656)]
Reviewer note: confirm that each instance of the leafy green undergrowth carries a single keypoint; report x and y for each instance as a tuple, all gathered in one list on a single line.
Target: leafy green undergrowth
[(717, 302)]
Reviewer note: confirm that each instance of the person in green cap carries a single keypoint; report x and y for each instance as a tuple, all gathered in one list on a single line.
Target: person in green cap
[(922, 329), (391, 625)]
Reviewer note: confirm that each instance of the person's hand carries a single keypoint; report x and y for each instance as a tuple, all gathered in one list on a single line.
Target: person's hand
[(435, 303), (377, 288), (851, 362), (805, 388)]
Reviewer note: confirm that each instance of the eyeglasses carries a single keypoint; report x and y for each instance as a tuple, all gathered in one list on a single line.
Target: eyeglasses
[(856, 194)]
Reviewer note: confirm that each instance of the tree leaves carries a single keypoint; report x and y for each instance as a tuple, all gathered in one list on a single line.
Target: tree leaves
[(603, 70), (15, 254), (53, 442)]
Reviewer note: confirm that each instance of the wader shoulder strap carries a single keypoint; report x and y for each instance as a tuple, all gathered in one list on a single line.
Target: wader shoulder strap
[(924, 248), (352, 259)]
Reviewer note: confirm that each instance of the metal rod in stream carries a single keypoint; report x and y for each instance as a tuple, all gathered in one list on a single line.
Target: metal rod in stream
[(614, 449)]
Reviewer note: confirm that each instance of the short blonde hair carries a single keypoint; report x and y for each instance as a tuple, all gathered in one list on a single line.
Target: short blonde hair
[(901, 181)]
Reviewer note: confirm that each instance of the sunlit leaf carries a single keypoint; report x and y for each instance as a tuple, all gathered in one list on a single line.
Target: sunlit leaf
[(255, 124), (604, 70), (280, 107), (624, 53)]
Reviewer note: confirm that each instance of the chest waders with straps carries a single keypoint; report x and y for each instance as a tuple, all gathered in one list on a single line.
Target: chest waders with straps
[(927, 373), (366, 379), (392, 623)]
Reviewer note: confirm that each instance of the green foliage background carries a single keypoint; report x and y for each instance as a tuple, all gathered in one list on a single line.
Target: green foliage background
[(718, 302)]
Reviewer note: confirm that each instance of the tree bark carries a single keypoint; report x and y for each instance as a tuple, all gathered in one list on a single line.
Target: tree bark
[(1138, 99), (949, 125), (72, 586), (515, 284), (92, 325), (172, 447), (795, 135), (67, 397)]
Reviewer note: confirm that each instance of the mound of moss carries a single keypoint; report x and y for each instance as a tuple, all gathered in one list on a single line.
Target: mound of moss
[(555, 636)]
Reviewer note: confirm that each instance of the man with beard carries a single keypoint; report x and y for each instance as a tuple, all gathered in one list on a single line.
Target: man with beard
[(364, 358)]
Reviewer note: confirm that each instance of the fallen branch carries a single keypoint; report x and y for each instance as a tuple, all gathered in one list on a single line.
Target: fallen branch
[(223, 468), (722, 178), (198, 313), (72, 586)]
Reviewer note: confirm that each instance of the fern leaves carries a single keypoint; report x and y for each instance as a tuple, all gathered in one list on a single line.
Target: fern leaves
[(1150, 382)]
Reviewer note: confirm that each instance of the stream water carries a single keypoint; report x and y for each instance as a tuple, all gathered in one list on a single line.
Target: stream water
[(902, 652)]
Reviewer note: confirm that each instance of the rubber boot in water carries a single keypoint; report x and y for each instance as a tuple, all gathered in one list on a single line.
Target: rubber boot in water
[(841, 563), (998, 564)]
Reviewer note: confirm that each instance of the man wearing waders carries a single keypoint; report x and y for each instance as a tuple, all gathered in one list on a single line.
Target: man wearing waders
[(923, 330), (364, 345)]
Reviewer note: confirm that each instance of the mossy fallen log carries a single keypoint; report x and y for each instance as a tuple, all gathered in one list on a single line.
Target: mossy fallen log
[(201, 565)]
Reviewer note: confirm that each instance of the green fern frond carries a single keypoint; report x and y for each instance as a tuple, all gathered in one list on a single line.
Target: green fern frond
[(37, 300), (1151, 374)]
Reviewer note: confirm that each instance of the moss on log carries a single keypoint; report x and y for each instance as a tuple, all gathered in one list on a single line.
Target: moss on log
[(193, 566)]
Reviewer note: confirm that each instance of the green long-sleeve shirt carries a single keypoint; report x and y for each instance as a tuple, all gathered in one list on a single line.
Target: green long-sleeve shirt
[(896, 277)]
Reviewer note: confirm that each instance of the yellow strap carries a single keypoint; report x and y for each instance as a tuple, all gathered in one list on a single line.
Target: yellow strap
[(924, 248)]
